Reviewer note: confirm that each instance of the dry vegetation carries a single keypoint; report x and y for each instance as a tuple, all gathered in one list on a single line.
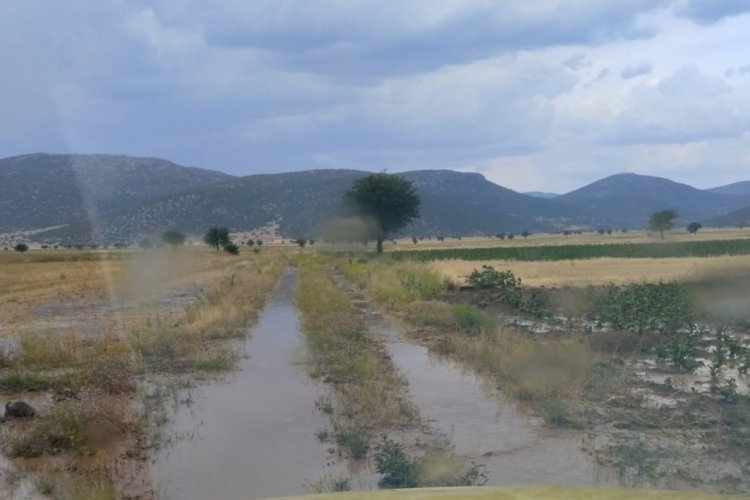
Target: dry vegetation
[(601, 271), (86, 372), (368, 394)]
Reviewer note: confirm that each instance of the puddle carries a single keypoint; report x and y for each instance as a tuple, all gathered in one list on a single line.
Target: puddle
[(252, 434)]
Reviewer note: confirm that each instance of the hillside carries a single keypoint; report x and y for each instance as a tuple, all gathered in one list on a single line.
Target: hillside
[(43, 190), (300, 202), (627, 200), (81, 198), (734, 188), (737, 218)]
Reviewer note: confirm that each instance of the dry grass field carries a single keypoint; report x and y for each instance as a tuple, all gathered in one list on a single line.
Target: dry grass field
[(601, 271)]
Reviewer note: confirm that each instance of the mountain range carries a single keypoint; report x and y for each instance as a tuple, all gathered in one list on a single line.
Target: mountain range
[(107, 198)]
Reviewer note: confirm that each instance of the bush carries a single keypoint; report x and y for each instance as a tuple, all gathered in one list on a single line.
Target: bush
[(397, 469), (470, 319), (231, 248), (488, 278), (21, 247)]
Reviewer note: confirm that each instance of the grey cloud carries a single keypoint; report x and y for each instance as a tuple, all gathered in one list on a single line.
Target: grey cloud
[(708, 12), (685, 107), (403, 37), (637, 70), (577, 62)]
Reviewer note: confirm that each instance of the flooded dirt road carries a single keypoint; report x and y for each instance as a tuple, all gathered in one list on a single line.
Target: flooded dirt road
[(477, 421), (251, 435), (484, 427)]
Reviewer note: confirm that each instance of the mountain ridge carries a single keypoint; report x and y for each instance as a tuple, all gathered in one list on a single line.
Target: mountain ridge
[(114, 197)]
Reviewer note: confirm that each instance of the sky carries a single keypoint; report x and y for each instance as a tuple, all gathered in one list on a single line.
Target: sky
[(546, 95)]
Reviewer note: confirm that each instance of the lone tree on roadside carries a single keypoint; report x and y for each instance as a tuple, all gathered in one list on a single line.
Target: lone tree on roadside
[(174, 238), (217, 237), (391, 201), (662, 220), (21, 247), (693, 227)]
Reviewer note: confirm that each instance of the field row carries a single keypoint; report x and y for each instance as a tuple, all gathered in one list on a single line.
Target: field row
[(575, 252)]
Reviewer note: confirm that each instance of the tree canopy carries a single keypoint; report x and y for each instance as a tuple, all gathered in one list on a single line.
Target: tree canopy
[(391, 201), (693, 227), (217, 237), (662, 220)]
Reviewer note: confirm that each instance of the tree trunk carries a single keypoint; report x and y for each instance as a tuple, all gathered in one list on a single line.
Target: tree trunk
[(380, 245), (662, 233)]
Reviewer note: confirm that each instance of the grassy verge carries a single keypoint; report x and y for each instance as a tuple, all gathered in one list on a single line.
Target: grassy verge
[(368, 394)]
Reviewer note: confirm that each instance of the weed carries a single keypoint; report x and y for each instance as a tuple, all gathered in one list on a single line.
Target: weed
[(681, 350), (728, 391), (555, 412), (16, 381), (326, 484), (322, 435), (221, 361), (636, 459), (471, 320), (71, 425), (324, 404), (354, 441)]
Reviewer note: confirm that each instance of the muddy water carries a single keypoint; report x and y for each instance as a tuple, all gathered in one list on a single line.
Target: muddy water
[(251, 435), (481, 425), (478, 422)]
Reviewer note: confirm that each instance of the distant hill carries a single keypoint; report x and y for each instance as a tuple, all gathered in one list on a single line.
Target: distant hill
[(103, 198), (43, 190), (627, 200), (452, 203), (542, 194), (737, 218), (742, 187)]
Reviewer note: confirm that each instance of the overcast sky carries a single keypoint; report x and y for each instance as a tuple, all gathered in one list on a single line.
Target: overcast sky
[(536, 95)]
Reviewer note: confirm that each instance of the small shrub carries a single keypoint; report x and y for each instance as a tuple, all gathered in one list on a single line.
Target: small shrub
[(488, 278), (392, 461), (728, 391), (555, 412), (21, 247), (232, 248), (471, 319), (636, 459)]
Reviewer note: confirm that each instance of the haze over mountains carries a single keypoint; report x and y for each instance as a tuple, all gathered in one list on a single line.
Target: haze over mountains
[(103, 198)]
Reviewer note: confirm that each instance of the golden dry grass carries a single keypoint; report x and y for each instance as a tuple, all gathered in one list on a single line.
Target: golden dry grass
[(601, 271), (82, 279)]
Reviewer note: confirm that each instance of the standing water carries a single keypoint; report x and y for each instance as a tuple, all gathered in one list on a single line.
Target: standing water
[(478, 422), (252, 434)]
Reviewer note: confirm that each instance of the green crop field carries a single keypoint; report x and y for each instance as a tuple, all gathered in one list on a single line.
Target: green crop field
[(708, 248)]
